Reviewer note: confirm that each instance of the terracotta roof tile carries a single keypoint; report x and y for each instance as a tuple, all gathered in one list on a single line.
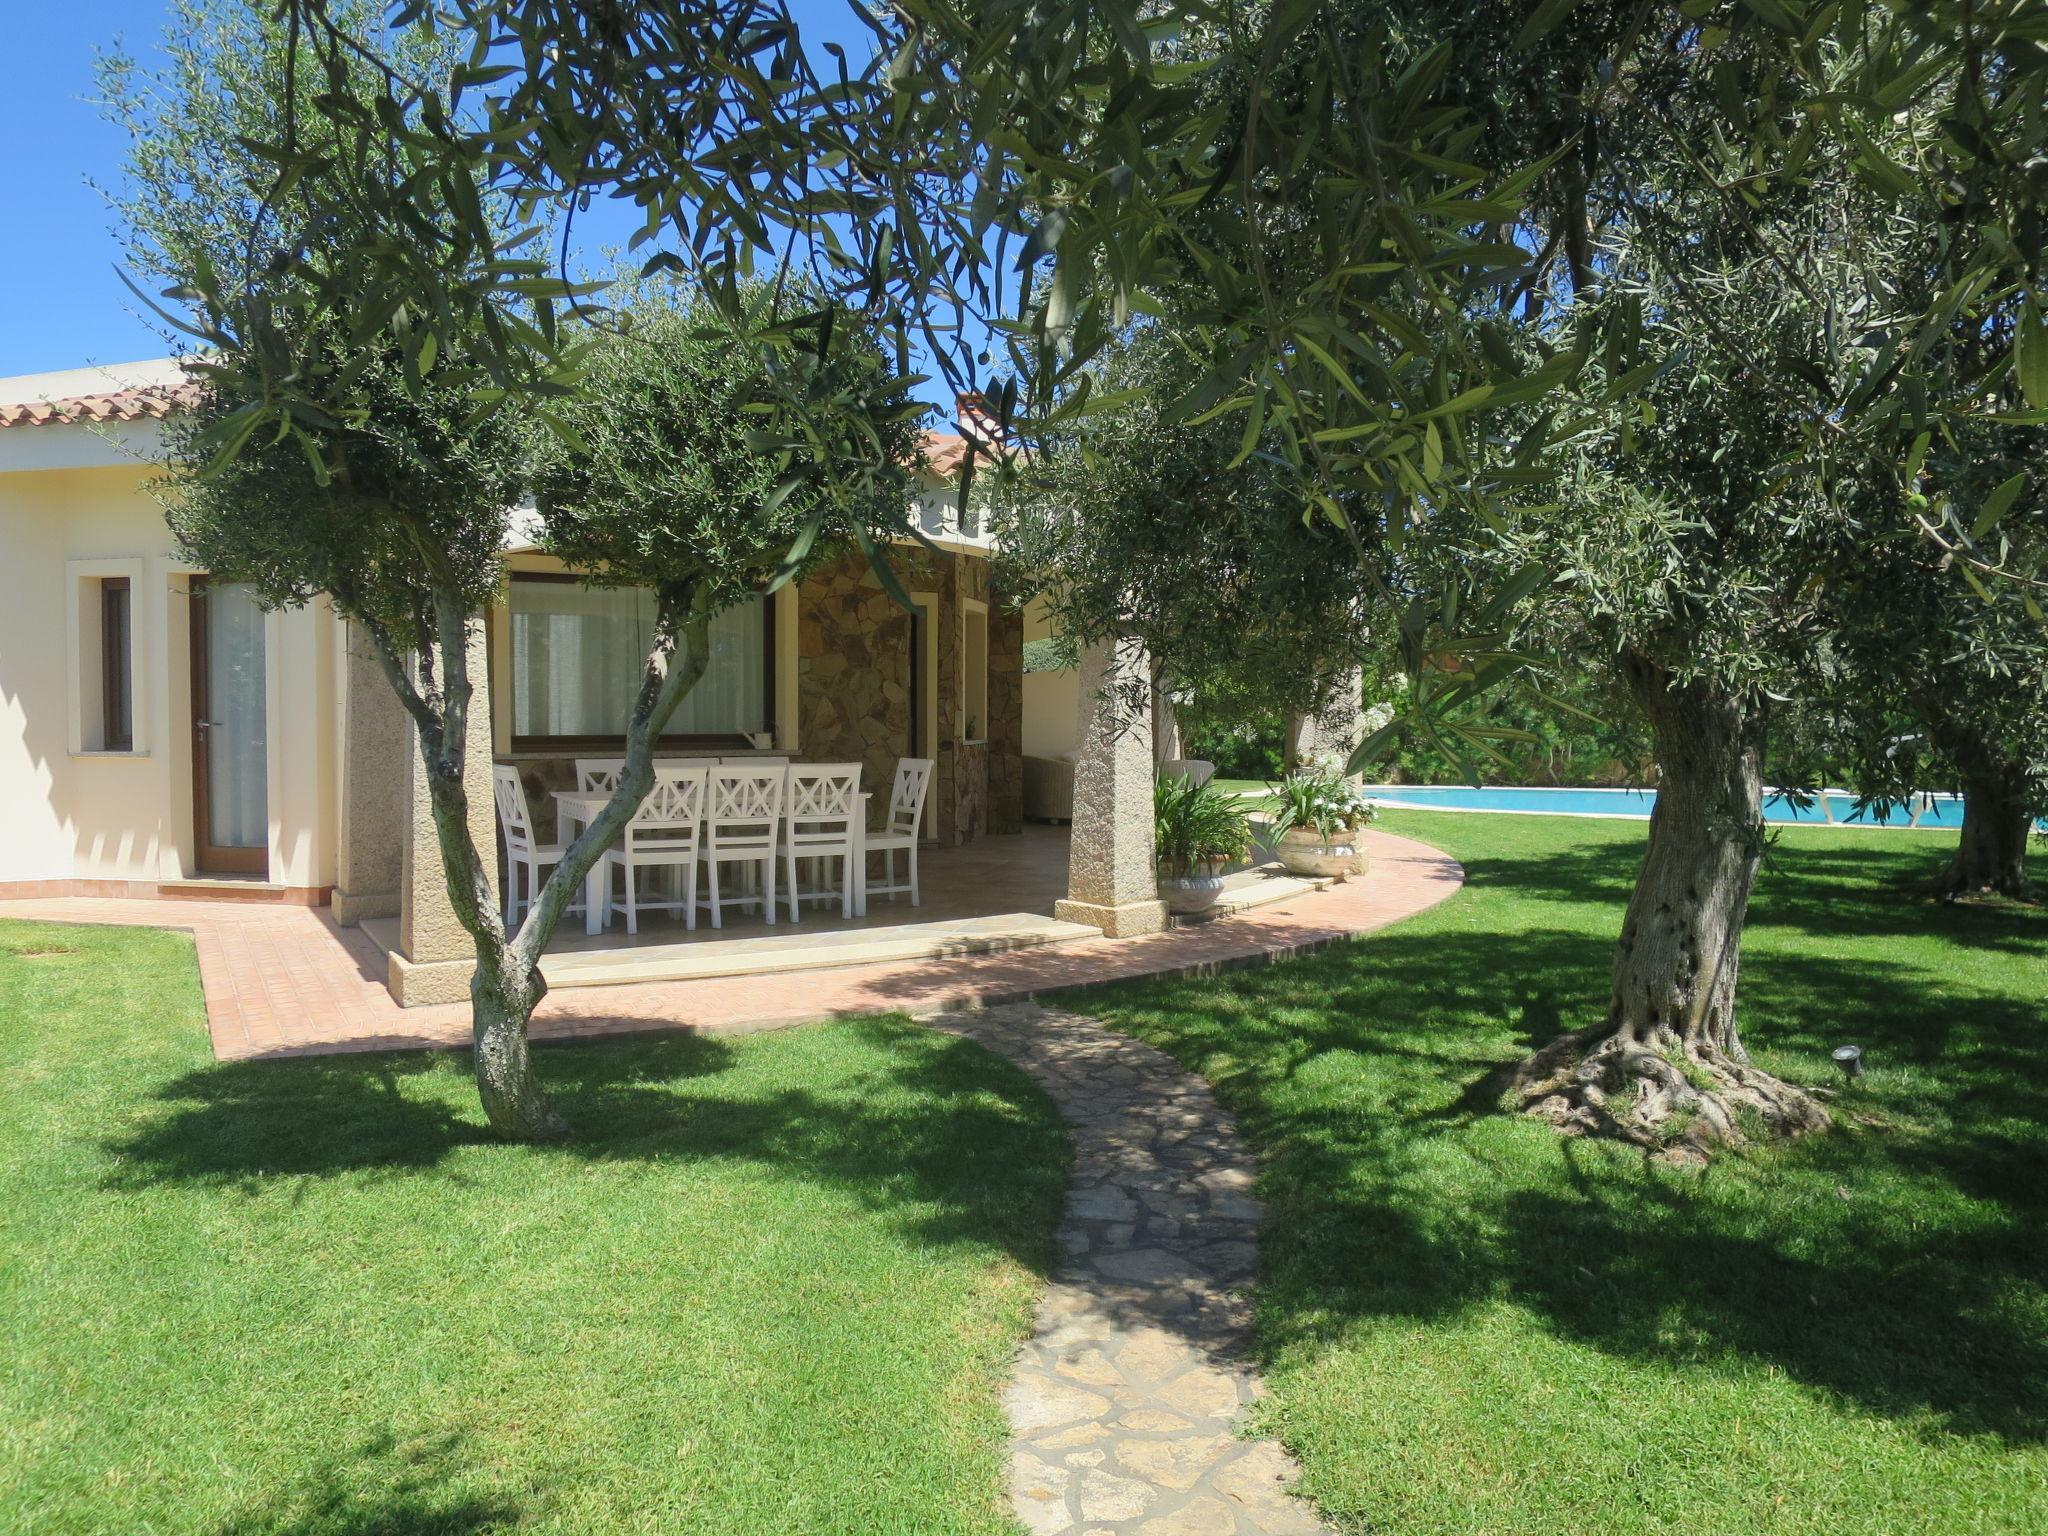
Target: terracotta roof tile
[(151, 402), (945, 451)]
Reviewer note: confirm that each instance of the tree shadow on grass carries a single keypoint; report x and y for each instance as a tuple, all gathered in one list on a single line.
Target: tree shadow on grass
[(1396, 1188), (1900, 1324), (382, 1488), (939, 1126)]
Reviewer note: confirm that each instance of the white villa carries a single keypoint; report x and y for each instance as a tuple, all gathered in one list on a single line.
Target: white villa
[(162, 736)]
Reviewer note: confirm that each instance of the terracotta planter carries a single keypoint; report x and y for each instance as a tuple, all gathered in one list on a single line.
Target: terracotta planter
[(1187, 895), (1303, 851)]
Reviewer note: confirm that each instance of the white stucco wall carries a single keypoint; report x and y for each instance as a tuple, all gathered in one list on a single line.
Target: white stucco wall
[(1052, 700), (69, 495)]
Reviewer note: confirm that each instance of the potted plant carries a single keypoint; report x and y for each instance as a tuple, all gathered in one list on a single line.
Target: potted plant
[(1359, 813), (1312, 823), (1197, 829)]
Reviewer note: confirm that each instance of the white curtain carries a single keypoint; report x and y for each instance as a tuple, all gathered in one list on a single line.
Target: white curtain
[(732, 696), (577, 653), (238, 792)]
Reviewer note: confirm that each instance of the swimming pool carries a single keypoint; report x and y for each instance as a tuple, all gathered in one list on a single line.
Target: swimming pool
[(1833, 806)]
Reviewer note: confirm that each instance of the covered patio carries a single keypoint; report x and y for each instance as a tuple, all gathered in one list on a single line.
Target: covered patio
[(982, 897), (987, 897)]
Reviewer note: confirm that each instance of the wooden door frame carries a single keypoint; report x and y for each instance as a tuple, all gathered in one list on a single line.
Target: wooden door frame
[(207, 858)]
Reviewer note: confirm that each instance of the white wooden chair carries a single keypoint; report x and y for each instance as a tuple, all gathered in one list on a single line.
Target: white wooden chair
[(743, 825), (751, 760), (900, 830), (522, 849), (599, 775), (822, 821), (666, 832)]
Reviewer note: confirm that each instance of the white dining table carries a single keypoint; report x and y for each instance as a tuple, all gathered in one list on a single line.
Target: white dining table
[(580, 807)]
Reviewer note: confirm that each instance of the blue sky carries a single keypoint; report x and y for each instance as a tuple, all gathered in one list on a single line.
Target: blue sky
[(62, 304)]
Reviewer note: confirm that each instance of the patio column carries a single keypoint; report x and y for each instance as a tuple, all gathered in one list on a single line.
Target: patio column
[(370, 859), (1112, 879), (435, 956)]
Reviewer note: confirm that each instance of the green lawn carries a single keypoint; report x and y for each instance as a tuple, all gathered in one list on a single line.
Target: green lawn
[(1475, 1326), (1260, 785), (772, 1288)]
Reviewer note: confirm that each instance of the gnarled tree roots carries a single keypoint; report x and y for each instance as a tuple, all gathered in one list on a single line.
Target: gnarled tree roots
[(1660, 1091), (1956, 884)]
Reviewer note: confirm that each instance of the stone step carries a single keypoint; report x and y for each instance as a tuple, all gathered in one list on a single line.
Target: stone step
[(221, 888), (803, 948)]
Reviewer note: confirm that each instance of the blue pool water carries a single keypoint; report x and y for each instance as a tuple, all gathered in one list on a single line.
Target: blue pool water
[(1924, 811)]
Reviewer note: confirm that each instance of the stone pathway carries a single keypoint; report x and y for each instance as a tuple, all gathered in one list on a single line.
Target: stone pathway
[(1126, 1400)]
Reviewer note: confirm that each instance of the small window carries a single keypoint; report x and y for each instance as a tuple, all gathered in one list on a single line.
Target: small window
[(974, 670), (104, 621), (117, 693)]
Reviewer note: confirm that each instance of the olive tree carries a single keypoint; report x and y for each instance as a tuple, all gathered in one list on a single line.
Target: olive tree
[(1708, 516), (1131, 525), (390, 485), (1939, 677)]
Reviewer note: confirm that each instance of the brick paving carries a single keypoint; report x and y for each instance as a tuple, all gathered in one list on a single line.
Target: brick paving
[(1125, 1404), (284, 980)]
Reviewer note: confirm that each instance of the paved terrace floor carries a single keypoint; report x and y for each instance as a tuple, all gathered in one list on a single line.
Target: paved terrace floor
[(284, 980)]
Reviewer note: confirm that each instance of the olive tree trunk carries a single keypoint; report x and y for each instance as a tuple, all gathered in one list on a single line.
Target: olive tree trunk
[(1991, 855), (1666, 1065), (507, 984)]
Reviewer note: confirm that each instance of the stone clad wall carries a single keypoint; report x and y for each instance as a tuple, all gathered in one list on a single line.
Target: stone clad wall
[(853, 673)]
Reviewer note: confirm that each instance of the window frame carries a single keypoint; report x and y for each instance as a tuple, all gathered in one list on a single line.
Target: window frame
[(117, 680), (86, 669), (559, 745)]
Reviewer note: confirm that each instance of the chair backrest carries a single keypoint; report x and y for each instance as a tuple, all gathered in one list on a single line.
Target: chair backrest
[(745, 803), (514, 819), (599, 775), (824, 799), (907, 794), (673, 811), (1198, 769), (755, 760)]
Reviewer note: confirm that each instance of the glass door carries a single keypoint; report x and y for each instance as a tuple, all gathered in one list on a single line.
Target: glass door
[(230, 755)]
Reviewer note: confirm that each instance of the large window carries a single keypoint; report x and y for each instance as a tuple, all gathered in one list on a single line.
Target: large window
[(576, 658)]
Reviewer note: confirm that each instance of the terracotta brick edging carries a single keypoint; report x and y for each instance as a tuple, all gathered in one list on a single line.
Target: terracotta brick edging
[(200, 888), (284, 980)]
